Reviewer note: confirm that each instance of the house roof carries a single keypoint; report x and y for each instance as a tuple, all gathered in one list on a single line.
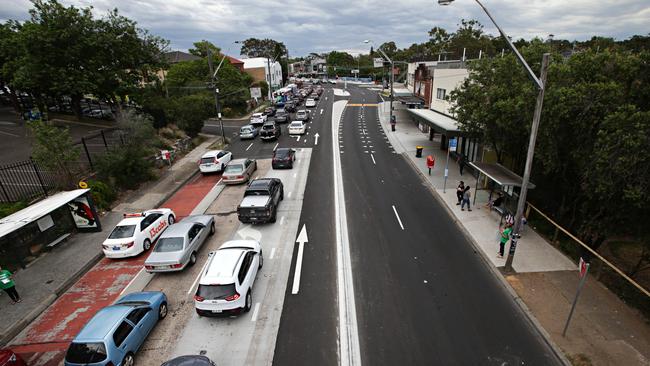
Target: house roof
[(255, 62), (179, 56), (233, 60)]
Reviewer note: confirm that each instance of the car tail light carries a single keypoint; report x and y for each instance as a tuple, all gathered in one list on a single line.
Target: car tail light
[(149, 267), (232, 297), (177, 265), (199, 298), (128, 245), (240, 177)]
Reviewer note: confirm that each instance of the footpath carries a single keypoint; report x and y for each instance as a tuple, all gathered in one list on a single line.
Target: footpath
[(603, 331), (62, 289)]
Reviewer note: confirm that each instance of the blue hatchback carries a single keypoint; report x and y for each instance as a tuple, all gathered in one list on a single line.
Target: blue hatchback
[(115, 333)]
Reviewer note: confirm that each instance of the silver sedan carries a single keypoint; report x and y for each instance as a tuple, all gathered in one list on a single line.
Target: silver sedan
[(239, 171), (177, 247)]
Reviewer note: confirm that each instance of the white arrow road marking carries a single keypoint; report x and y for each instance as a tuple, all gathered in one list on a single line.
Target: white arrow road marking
[(297, 138), (373, 159), (316, 137), (398, 219), (249, 146), (302, 239)]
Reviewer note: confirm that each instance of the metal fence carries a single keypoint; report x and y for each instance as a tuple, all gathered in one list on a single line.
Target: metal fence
[(26, 181)]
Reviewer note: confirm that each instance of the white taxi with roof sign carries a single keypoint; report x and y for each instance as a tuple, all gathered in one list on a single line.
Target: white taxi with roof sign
[(136, 232)]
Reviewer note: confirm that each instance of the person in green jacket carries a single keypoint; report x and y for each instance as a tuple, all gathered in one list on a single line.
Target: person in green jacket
[(8, 285), (505, 236)]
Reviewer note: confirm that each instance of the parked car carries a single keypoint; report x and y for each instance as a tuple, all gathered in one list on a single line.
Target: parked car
[(311, 102), (136, 232), (269, 111), (214, 161), (297, 128), (258, 119), (281, 115), (261, 200), (302, 115), (226, 285), (248, 132), (10, 358), (189, 360), (178, 246), (239, 171), (283, 157), (116, 332)]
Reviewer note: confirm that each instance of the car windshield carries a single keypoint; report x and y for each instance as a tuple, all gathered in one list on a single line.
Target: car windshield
[(268, 127), (121, 232), (86, 353), (169, 245), (282, 153), (207, 160), (216, 292), (234, 168)]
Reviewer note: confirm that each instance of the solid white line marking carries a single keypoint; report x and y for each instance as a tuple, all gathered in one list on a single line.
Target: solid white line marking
[(282, 220), (257, 310), (249, 146), (272, 253), (373, 159), (189, 292), (398, 219)]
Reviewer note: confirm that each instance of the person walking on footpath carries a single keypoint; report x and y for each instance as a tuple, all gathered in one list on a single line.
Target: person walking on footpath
[(505, 236), (459, 192), (7, 284), (461, 163), (466, 196)]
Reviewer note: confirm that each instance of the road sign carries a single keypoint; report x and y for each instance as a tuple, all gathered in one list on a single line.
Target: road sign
[(452, 144), (355, 71), (378, 62), (582, 266), (256, 92)]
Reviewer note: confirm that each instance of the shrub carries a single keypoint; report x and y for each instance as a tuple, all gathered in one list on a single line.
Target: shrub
[(127, 167), (7, 209), (102, 193), (167, 132)]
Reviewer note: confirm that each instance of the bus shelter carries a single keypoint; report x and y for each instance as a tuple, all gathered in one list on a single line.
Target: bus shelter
[(500, 176)]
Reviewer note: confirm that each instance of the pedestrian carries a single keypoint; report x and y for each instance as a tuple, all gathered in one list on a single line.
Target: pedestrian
[(461, 163), (459, 192), (7, 284), (505, 236), (466, 196)]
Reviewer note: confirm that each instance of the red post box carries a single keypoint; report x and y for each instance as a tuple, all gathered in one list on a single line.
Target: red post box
[(431, 161)]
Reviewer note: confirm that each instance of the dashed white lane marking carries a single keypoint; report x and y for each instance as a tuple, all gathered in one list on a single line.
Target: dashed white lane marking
[(276, 146), (289, 195), (398, 219), (295, 175), (272, 253), (255, 312), (249, 146), (282, 220), (373, 159)]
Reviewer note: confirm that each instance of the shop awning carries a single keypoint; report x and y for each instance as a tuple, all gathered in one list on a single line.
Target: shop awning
[(410, 100), (438, 121), (499, 174), (36, 211)]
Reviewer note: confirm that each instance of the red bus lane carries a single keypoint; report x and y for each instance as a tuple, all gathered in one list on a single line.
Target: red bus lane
[(45, 341)]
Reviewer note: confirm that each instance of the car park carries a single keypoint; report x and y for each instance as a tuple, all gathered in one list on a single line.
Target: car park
[(311, 102), (269, 111), (239, 171), (248, 132), (281, 115), (178, 246), (115, 334), (226, 284), (270, 131), (136, 232), (214, 161), (297, 128), (261, 200), (302, 115), (258, 119), (283, 157)]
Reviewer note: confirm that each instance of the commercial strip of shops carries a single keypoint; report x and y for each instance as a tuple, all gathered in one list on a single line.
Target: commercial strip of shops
[(26, 234)]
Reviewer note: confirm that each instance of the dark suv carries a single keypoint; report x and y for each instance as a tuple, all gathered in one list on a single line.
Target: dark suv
[(283, 157), (270, 131)]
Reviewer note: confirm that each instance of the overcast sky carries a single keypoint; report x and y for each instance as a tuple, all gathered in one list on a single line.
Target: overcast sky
[(324, 25)]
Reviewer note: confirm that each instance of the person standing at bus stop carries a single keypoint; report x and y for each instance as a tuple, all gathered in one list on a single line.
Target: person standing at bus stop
[(7, 284), (505, 236)]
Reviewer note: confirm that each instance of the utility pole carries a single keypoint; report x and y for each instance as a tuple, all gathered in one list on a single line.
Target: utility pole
[(392, 81), (213, 86)]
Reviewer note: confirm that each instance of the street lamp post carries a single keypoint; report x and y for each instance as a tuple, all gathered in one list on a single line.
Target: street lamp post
[(540, 83), (213, 86), (392, 82)]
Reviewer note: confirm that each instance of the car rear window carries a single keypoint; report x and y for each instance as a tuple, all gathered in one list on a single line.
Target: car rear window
[(122, 231), (281, 153), (207, 160), (169, 245), (237, 168), (296, 124), (86, 353), (216, 292), (268, 127)]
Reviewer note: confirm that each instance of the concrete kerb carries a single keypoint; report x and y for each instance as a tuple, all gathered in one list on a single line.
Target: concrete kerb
[(494, 270)]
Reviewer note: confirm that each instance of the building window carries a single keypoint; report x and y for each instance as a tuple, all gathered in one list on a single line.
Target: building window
[(440, 93)]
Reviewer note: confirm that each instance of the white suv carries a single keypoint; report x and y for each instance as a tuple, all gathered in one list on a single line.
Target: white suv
[(226, 286), (214, 161)]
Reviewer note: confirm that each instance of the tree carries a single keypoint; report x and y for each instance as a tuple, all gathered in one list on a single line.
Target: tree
[(389, 48), (254, 47), (53, 149), (336, 58), (201, 49), (190, 112)]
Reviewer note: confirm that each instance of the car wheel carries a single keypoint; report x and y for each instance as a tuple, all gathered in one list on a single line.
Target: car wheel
[(273, 217), (128, 360), (249, 301), (261, 260), (282, 195), (192, 258), (162, 311), (146, 245), (212, 229), (171, 220)]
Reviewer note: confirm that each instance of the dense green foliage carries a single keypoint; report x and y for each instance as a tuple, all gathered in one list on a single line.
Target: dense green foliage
[(103, 194), (54, 150), (7, 209)]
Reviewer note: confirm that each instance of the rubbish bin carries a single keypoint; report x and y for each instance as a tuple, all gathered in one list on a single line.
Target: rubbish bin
[(418, 151)]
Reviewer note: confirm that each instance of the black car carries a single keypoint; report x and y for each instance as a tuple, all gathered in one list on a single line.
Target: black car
[(281, 116), (283, 157), (269, 111)]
